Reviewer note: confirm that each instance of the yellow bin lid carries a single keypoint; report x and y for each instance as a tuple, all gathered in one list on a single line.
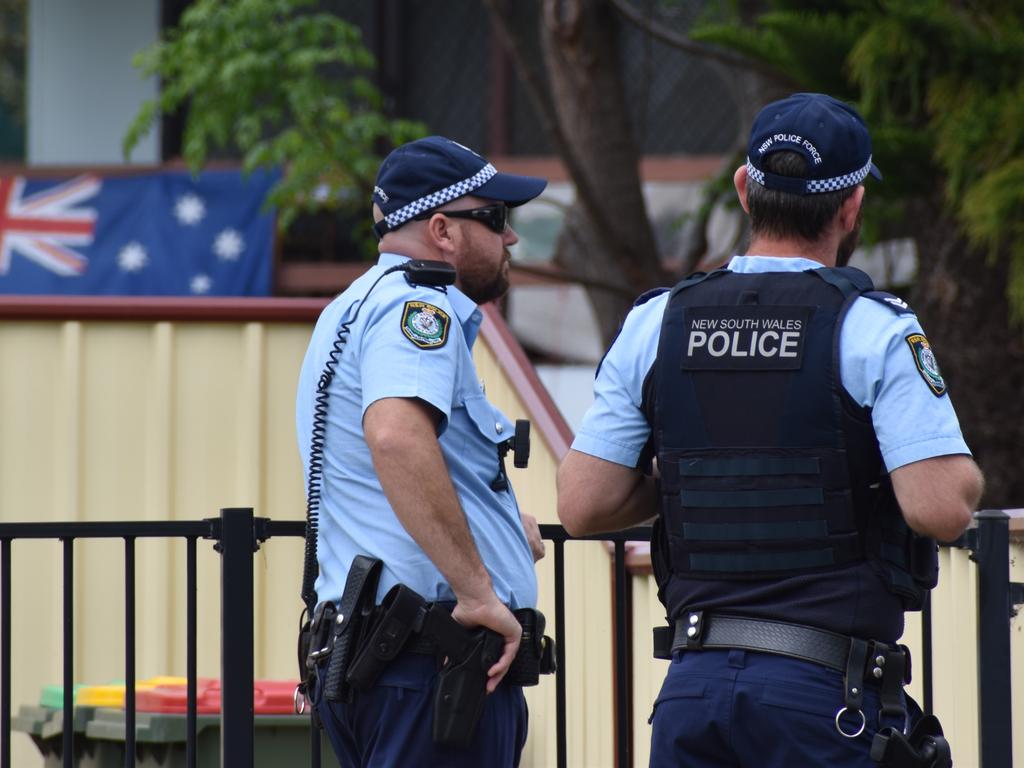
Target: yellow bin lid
[(113, 695)]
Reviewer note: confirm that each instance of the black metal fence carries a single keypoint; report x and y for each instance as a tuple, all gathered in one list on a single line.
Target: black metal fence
[(238, 534)]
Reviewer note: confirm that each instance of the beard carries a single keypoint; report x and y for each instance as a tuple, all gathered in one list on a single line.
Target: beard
[(849, 242), (483, 287)]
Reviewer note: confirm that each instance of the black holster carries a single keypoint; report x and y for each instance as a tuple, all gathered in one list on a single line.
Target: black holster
[(356, 643), (357, 604), (400, 614), (328, 639), (462, 689), (536, 651), (462, 682), (925, 747)]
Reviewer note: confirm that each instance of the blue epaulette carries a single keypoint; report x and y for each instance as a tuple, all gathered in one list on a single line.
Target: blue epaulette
[(895, 303), (646, 296)]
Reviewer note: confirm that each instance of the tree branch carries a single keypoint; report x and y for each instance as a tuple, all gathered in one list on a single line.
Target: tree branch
[(557, 274), (700, 50), (553, 127)]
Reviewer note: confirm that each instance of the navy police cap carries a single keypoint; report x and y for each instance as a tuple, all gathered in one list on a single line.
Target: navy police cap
[(427, 173), (829, 133)]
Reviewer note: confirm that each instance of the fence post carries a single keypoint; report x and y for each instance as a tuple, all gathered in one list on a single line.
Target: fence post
[(561, 736), (237, 544), (5, 653), (623, 659), (994, 697)]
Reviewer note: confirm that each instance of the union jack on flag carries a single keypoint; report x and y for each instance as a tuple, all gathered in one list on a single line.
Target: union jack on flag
[(42, 226), (165, 233)]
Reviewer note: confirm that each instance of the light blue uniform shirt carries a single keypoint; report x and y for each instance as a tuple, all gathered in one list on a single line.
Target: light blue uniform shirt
[(380, 361), (876, 367)]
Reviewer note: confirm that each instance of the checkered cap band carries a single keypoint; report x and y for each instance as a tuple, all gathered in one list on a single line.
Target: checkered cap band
[(755, 174), (435, 199), (815, 186)]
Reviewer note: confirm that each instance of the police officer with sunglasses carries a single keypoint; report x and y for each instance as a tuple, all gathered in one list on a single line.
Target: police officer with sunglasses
[(411, 468)]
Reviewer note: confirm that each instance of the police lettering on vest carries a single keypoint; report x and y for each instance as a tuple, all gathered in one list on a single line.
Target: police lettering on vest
[(744, 337)]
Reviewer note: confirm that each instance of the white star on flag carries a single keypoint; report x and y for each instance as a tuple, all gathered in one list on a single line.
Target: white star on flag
[(201, 284), (132, 257), (228, 245), (189, 209)]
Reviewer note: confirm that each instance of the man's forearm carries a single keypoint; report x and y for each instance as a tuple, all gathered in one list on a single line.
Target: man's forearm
[(596, 496), (937, 495), (414, 477)]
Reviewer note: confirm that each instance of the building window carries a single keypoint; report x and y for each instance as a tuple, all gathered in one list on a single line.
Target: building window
[(12, 79)]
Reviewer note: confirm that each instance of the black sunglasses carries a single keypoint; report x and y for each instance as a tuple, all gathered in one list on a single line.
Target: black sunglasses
[(494, 216)]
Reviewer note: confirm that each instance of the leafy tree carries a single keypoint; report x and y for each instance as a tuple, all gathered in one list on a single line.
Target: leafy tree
[(939, 83), (282, 85), (608, 242)]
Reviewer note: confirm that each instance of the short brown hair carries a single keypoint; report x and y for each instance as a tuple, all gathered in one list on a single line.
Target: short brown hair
[(778, 214)]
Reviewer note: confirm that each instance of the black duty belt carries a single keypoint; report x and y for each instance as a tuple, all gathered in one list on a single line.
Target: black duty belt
[(701, 630), (536, 655), (405, 623), (858, 660), (344, 649)]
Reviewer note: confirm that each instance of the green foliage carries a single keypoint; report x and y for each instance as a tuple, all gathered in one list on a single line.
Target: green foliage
[(806, 48), (283, 86), (939, 82), (758, 44), (956, 79)]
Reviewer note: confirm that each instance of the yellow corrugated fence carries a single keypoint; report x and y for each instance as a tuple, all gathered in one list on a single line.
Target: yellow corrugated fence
[(175, 418)]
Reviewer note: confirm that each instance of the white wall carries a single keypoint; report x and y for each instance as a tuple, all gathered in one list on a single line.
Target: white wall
[(82, 89)]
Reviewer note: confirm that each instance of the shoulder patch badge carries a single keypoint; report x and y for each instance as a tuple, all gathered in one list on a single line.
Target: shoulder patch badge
[(927, 365), (425, 325)]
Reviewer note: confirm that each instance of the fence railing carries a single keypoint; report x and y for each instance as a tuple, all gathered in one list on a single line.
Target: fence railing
[(238, 534)]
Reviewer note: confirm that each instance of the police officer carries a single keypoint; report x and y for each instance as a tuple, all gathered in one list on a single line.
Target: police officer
[(788, 407), (411, 468)]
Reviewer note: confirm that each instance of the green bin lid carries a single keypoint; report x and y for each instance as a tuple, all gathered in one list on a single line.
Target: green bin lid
[(52, 696)]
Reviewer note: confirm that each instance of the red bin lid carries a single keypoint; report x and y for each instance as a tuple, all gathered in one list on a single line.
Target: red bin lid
[(173, 699), (270, 697), (274, 697)]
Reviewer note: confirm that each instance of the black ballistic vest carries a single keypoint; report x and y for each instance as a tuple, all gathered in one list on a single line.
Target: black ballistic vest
[(770, 474)]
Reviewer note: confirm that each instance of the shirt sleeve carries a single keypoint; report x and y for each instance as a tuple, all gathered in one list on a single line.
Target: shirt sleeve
[(615, 428), (410, 348), (912, 422)]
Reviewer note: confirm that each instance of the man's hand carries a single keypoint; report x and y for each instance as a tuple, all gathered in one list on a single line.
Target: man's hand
[(532, 531), (494, 615)]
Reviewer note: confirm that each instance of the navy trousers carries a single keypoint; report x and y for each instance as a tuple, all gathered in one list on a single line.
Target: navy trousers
[(738, 709), (390, 725)]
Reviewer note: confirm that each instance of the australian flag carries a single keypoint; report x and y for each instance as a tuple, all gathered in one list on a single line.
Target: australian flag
[(157, 234)]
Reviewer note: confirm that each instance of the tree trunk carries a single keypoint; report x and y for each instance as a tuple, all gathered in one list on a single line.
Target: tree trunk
[(608, 237), (960, 297)]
